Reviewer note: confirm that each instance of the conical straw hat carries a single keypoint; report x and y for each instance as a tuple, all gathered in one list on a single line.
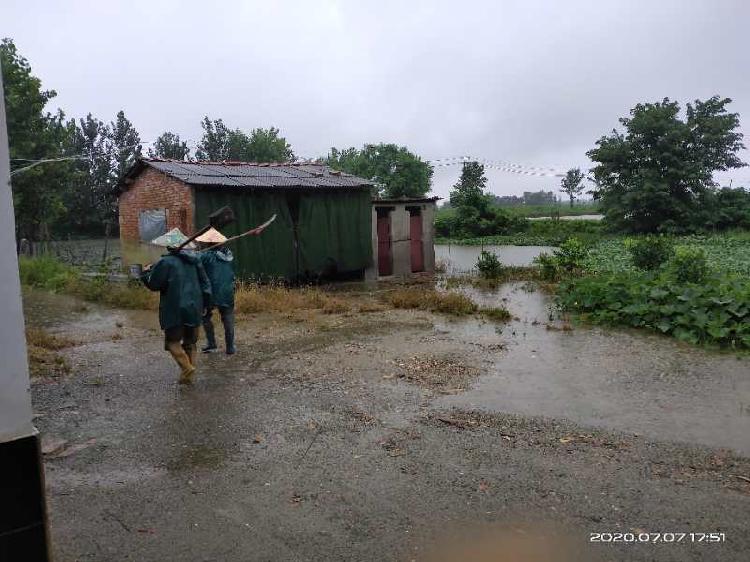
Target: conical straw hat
[(212, 236)]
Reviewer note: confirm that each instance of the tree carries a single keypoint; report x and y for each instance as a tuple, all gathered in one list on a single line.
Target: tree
[(87, 196), (396, 171), (473, 211), (219, 143), (125, 147), (266, 145), (168, 145), (654, 175), (33, 135), (214, 144), (572, 184)]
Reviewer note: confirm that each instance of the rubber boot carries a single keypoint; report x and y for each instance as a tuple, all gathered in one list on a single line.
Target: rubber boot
[(208, 327), (227, 317), (183, 360), (192, 353)]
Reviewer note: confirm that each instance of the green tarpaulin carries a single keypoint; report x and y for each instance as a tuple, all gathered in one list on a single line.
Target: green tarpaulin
[(315, 232)]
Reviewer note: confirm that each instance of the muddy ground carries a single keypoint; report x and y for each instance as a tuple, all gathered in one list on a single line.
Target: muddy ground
[(369, 436)]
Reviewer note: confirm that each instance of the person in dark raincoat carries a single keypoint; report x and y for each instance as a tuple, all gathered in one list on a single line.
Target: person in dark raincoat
[(219, 265), (185, 294)]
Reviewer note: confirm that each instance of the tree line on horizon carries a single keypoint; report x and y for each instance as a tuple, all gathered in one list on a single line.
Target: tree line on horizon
[(65, 171)]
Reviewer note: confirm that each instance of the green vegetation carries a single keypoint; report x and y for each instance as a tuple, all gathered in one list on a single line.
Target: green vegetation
[(572, 184), (489, 266), (715, 312), (545, 232), (220, 143), (448, 302), (472, 212), (699, 292), (657, 175), (728, 253), (396, 171), (650, 252)]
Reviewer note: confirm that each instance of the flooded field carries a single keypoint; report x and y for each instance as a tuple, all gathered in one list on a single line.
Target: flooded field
[(462, 259), (618, 379)]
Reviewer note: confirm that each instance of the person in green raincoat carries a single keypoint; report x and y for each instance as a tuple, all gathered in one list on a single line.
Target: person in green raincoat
[(185, 293), (218, 262)]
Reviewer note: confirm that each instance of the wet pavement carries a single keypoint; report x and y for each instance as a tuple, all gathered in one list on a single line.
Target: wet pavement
[(327, 438)]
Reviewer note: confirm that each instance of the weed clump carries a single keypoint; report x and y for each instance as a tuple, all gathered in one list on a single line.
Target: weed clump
[(497, 314), (431, 300), (42, 348)]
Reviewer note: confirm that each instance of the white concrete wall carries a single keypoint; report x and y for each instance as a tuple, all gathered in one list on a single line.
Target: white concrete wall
[(401, 239), (15, 398)]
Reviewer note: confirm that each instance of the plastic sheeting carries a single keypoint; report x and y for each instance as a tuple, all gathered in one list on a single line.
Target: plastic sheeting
[(315, 233), (152, 223)]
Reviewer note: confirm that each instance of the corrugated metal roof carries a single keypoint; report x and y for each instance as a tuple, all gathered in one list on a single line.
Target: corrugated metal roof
[(248, 174)]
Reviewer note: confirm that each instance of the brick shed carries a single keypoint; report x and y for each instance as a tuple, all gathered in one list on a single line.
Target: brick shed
[(323, 225)]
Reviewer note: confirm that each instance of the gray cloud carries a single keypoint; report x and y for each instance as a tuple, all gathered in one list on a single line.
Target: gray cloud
[(529, 82)]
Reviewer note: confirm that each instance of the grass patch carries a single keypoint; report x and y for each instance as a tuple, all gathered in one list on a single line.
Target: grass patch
[(254, 298), (540, 233), (496, 314), (131, 295), (45, 273), (431, 300), (42, 348)]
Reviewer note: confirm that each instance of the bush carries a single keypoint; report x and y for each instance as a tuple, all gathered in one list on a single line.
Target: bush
[(571, 255), (45, 273), (489, 266), (548, 267), (650, 252), (689, 265)]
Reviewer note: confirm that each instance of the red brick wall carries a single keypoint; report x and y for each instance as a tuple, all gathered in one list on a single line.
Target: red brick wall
[(153, 189)]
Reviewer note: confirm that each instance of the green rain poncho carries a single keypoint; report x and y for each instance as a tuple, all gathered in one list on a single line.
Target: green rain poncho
[(184, 287), (219, 266)]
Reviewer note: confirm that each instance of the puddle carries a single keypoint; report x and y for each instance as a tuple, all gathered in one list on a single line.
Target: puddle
[(616, 379), (462, 259)]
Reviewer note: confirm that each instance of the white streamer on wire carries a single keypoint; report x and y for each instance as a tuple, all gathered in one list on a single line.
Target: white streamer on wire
[(510, 167)]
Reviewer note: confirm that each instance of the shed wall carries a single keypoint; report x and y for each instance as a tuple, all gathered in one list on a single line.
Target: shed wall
[(153, 189)]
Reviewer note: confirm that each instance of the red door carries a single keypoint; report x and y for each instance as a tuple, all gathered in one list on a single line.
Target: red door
[(385, 263), (415, 231)]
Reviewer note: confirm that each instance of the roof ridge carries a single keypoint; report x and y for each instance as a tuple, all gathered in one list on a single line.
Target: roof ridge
[(234, 162)]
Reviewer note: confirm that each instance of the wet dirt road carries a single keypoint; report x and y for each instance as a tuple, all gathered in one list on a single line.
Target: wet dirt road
[(354, 437)]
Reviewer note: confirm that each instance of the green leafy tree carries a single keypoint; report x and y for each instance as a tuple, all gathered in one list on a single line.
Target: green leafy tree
[(125, 147), (396, 171), (265, 145), (168, 145), (87, 196), (220, 143), (572, 184), (214, 144), (33, 134), (654, 175)]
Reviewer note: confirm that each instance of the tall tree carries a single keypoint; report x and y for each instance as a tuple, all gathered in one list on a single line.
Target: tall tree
[(469, 190), (221, 143), (267, 146), (655, 174), (33, 135), (214, 144), (168, 145), (88, 194), (572, 184), (396, 171)]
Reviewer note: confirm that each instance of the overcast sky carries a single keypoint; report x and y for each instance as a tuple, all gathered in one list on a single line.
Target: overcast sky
[(529, 82)]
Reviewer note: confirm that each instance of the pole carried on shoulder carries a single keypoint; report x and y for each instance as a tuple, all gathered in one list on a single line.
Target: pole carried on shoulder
[(217, 219), (254, 231)]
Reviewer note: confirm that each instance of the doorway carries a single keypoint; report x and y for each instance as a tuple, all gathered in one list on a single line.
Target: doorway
[(415, 234), (385, 257)]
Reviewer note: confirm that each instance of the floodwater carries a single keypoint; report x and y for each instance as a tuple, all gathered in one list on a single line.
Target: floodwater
[(462, 259), (617, 379), (572, 218)]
